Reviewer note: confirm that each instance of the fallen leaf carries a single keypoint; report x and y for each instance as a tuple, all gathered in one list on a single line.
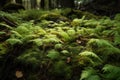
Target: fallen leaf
[(19, 74)]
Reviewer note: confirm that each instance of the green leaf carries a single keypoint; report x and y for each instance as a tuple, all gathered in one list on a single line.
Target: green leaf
[(38, 42), (111, 72), (14, 41), (53, 54), (89, 74), (90, 54), (3, 49), (2, 33)]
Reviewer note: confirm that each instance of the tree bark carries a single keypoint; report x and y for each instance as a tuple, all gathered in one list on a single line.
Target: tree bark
[(67, 3)]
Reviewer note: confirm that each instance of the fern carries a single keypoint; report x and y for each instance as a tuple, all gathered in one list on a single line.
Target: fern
[(86, 31), (93, 58), (77, 22), (98, 43), (91, 23), (117, 17), (3, 49), (6, 26), (90, 54), (61, 69), (111, 72), (15, 34), (37, 42), (58, 46), (71, 32), (64, 35), (2, 33), (30, 56), (89, 74), (102, 48), (14, 41), (22, 30), (53, 54), (51, 38), (117, 39)]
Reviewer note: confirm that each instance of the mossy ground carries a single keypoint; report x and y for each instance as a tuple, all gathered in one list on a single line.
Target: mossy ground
[(59, 44)]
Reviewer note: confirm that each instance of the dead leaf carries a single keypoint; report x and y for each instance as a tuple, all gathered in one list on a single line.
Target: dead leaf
[(68, 59), (19, 74)]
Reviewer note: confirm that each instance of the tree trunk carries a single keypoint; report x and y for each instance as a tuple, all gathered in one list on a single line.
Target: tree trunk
[(42, 4), (19, 1), (66, 3)]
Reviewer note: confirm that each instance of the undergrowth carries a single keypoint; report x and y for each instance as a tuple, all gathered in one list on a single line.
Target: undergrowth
[(47, 45)]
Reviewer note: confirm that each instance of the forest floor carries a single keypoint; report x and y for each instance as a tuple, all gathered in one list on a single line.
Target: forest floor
[(60, 44)]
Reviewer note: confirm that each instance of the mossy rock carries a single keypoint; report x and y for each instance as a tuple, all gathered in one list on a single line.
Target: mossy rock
[(12, 7)]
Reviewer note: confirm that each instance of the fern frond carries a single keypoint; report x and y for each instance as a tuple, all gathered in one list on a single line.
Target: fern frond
[(98, 43), (15, 34), (29, 37), (90, 54), (86, 31), (3, 49), (91, 23), (14, 41), (102, 46), (89, 74), (53, 54), (2, 33), (111, 72), (117, 17), (50, 38), (117, 39), (22, 30), (30, 56), (64, 35), (38, 41), (5, 25)]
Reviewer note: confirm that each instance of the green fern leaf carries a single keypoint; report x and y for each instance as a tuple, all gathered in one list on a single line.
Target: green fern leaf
[(3, 49), (53, 54), (90, 54), (30, 56), (89, 74), (94, 77), (22, 30), (2, 33), (111, 72), (15, 34), (14, 41), (38, 42), (102, 46), (64, 35), (117, 39)]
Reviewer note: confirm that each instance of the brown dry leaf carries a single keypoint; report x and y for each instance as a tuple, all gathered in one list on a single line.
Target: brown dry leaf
[(19, 74), (78, 41), (68, 59)]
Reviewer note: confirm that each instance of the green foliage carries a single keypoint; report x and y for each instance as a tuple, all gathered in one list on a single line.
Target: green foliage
[(89, 74), (31, 14), (14, 41), (102, 47), (53, 54), (61, 69), (111, 72), (117, 17), (47, 45), (3, 49), (30, 56), (90, 54)]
